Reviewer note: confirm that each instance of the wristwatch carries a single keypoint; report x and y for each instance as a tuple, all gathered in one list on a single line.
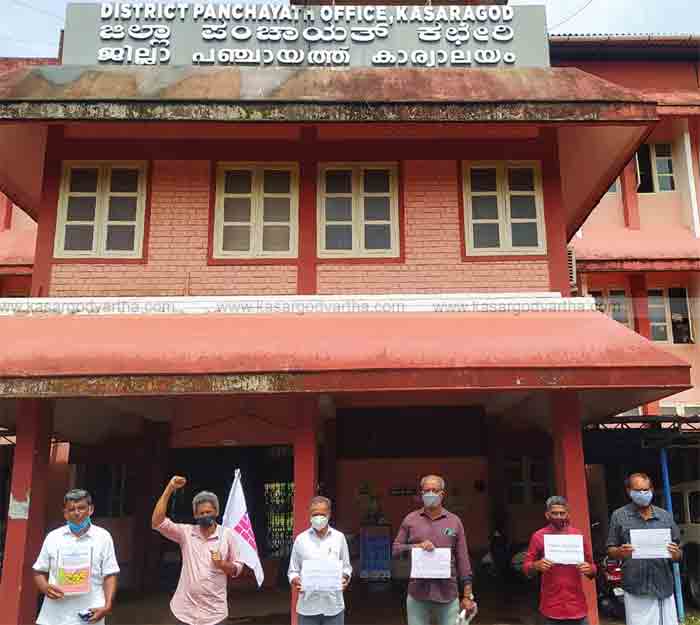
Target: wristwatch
[(470, 596)]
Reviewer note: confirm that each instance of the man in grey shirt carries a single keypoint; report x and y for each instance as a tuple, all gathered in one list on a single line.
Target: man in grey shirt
[(648, 584)]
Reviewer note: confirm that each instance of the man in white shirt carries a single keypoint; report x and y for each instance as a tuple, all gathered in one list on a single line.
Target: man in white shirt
[(318, 542), (77, 568)]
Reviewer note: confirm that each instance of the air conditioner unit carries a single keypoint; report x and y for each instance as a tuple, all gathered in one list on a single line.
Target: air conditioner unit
[(571, 259)]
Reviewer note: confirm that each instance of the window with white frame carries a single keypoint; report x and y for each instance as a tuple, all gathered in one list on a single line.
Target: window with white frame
[(256, 212), (358, 212), (615, 303), (669, 315), (504, 208), (101, 210), (655, 168)]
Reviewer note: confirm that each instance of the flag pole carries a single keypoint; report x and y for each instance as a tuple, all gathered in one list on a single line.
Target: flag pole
[(236, 478)]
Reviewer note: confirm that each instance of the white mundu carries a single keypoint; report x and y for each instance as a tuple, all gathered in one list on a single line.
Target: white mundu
[(104, 562), (650, 610)]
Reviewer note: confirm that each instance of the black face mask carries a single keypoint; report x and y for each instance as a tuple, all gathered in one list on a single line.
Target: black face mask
[(205, 521)]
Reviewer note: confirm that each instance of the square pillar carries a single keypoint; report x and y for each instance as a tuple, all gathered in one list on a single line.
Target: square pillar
[(642, 326), (630, 198), (570, 473), (26, 523), (305, 470)]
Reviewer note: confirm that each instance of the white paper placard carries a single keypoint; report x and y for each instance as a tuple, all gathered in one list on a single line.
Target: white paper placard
[(650, 544), (435, 564), (564, 548), (322, 575)]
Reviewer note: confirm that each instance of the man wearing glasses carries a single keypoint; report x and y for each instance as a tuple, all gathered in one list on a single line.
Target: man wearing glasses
[(77, 568), (436, 601)]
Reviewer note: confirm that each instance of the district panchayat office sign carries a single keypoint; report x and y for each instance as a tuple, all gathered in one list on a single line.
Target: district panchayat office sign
[(282, 35)]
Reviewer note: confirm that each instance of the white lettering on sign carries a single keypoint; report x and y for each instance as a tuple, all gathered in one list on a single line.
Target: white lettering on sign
[(277, 34)]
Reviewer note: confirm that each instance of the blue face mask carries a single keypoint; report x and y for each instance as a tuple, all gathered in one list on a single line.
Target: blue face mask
[(641, 498), (431, 500), (77, 528)]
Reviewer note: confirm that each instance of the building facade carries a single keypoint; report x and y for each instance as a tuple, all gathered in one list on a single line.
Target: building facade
[(338, 278)]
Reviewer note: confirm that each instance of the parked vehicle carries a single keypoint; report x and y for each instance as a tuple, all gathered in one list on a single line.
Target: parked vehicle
[(611, 596), (686, 510)]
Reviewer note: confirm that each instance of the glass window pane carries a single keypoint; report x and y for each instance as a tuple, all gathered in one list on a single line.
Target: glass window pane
[(277, 181), (680, 317), (486, 235), (236, 239), (521, 179), (539, 471), (122, 208), (482, 180), (83, 180), (663, 149), (338, 209), (666, 183), (657, 314), (276, 238), (124, 181), (276, 209), (120, 238), (523, 207), (339, 181), (664, 166), (78, 238), (540, 492), (694, 505), (377, 237), (656, 297), (645, 179), (484, 207), (516, 494), (613, 187), (599, 300), (377, 181), (514, 471), (377, 209), (81, 208), (658, 332), (524, 234), (237, 209), (338, 237), (678, 508), (239, 181)]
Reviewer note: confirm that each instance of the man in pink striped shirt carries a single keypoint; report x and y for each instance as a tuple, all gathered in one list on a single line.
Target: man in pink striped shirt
[(209, 558)]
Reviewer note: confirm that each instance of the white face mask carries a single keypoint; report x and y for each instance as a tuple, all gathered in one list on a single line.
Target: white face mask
[(319, 521)]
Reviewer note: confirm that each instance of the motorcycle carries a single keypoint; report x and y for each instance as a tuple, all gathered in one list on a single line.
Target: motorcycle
[(611, 596)]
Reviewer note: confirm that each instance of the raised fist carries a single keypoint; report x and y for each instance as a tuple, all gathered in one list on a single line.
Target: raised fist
[(177, 482)]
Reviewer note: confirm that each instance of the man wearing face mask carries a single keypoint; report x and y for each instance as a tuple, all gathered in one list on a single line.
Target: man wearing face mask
[(91, 549), (436, 600), (562, 601), (209, 558), (320, 541), (648, 584)]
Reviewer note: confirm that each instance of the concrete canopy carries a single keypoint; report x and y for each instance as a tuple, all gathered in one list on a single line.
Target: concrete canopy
[(488, 354)]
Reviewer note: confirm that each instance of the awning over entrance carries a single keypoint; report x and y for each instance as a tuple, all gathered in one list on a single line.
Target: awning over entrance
[(484, 353), (164, 93)]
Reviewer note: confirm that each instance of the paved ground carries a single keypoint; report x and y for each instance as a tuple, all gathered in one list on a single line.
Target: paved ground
[(271, 607)]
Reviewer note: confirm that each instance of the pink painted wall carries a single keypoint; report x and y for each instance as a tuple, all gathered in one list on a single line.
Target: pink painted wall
[(609, 212), (384, 474)]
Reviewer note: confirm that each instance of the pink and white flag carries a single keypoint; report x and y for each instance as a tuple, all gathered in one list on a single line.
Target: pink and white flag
[(236, 518)]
